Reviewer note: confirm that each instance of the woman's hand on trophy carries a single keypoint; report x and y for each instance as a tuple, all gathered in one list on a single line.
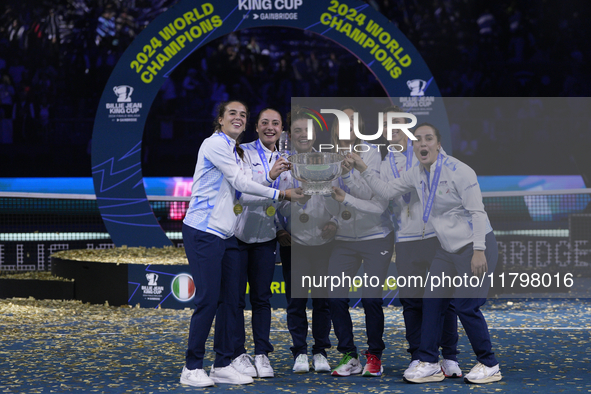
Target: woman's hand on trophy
[(296, 194), (302, 198), (347, 164), (355, 160), (338, 194), (281, 165)]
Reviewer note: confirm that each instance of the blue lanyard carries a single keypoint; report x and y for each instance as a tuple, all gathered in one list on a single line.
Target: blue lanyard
[(429, 205), (263, 158), (408, 154), (405, 197)]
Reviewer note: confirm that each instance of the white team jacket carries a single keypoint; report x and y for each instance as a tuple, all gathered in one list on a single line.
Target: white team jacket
[(254, 225), (218, 174), (409, 216), (458, 214), (318, 208), (369, 216)]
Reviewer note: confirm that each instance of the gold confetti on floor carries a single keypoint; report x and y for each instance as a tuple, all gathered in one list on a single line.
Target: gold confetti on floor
[(67, 346), (168, 255), (32, 275)]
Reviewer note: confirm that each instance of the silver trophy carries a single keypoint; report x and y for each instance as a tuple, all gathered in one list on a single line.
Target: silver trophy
[(316, 171)]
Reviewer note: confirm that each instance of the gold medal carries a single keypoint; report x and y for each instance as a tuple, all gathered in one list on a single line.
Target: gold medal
[(270, 210), (304, 218), (238, 209), (346, 215)]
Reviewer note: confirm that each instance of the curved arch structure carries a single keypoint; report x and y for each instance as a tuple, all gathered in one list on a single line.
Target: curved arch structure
[(190, 24)]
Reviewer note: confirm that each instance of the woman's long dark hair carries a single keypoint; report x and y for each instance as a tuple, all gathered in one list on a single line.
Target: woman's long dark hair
[(221, 110), (435, 130)]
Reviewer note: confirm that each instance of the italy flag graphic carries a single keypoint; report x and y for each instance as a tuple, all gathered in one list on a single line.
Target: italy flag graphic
[(183, 287)]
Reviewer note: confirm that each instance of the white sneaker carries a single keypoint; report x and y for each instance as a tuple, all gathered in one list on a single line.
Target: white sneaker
[(450, 368), (480, 373), (300, 364), (263, 366), (412, 365), (244, 365), (320, 363), (424, 372), (196, 377), (228, 375), (348, 366)]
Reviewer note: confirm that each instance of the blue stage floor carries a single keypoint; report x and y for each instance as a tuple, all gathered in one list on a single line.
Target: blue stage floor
[(52, 346)]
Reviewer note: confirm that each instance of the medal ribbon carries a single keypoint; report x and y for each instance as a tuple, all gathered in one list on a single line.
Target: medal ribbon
[(429, 204), (405, 197), (408, 154), (261, 153)]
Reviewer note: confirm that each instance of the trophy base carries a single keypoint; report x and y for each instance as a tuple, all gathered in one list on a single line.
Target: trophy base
[(317, 188)]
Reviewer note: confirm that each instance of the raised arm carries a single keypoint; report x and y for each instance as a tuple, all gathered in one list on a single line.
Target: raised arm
[(385, 190), (358, 186), (250, 199), (374, 205), (220, 154)]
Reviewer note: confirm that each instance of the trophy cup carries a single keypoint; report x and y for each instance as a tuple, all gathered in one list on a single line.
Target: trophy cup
[(316, 171)]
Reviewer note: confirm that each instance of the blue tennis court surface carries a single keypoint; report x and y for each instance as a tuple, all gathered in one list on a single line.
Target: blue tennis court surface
[(52, 346)]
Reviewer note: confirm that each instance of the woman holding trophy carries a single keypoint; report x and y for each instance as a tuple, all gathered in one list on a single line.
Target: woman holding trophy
[(306, 244), (451, 199), (212, 248), (415, 252), (256, 232), (365, 233)]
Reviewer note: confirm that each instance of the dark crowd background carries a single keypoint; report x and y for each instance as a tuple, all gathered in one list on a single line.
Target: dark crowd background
[(56, 57)]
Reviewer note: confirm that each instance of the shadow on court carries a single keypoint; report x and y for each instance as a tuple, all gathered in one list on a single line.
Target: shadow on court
[(53, 346)]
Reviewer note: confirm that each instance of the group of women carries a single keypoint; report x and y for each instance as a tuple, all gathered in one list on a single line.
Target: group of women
[(416, 199)]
